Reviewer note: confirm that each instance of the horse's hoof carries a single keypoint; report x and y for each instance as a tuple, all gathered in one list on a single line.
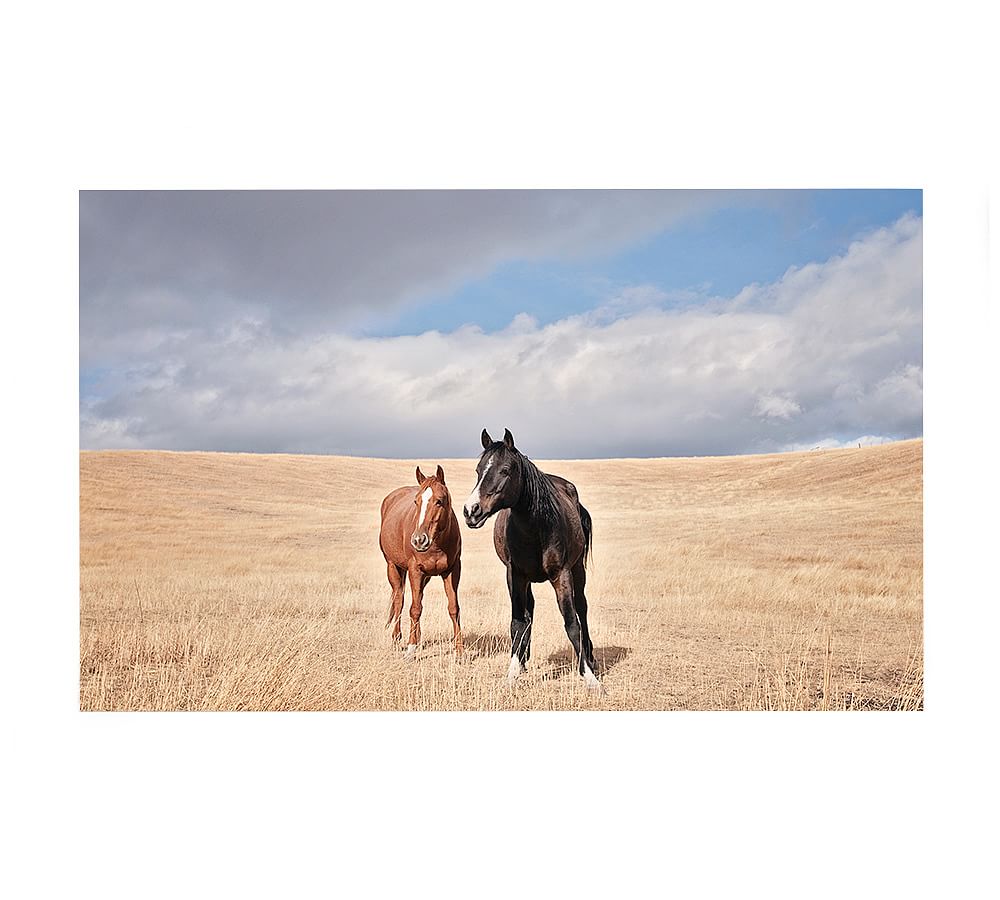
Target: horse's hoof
[(514, 671)]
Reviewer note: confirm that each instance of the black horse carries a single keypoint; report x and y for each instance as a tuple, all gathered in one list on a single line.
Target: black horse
[(543, 533)]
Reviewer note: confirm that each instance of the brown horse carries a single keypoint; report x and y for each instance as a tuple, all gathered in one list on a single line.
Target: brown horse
[(420, 538)]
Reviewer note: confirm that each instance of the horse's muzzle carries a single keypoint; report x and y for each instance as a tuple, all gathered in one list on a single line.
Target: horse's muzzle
[(474, 516)]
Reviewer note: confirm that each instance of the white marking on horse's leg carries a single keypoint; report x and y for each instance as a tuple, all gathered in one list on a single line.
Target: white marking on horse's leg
[(425, 498), (515, 669), (411, 651), (590, 678)]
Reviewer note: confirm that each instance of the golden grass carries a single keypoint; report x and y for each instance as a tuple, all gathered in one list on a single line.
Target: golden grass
[(238, 581)]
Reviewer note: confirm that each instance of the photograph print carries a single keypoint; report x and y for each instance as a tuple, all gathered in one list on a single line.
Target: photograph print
[(501, 450)]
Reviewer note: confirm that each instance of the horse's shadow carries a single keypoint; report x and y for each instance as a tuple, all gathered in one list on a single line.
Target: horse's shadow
[(487, 644), (477, 644), (563, 662)]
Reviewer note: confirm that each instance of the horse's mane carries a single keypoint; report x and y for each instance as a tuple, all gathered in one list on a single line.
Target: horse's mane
[(537, 490)]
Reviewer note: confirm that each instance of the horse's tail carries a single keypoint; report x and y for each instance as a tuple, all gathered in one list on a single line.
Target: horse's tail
[(588, 532)]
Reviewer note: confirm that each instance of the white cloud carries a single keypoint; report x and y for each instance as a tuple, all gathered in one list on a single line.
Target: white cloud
[(828, 350)]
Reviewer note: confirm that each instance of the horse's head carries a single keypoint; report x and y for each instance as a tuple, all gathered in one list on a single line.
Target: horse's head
[(434, 502), (498, 480)]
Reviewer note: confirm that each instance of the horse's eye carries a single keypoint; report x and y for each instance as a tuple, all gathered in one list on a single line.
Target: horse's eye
[(505, 471), (440, 503)]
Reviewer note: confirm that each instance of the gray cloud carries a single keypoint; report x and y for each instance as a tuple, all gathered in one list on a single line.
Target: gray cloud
[(829, 351), (157, 265)]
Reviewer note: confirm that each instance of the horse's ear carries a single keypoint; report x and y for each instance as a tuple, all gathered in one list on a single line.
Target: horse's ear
[(420, 476), (508, 439), (487, 440), (440, 475)]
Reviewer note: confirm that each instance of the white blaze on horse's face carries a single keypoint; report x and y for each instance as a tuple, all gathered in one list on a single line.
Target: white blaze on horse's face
[(474, 497), (425, 498), (422, 538)]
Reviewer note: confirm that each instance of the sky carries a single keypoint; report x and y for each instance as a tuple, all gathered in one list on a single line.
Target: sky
[(591, 323)]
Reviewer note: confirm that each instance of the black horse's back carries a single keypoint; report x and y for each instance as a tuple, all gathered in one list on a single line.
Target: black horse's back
[(586, 523)]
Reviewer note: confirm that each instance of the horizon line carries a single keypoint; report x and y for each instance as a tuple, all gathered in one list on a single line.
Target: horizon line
[(816, 449)]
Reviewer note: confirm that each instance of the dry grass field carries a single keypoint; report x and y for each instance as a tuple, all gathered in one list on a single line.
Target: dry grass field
[(213, 581)]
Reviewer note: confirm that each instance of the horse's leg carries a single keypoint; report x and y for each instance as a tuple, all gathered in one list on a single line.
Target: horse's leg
[(529, 609), (451, 590), (396, 576), (563, 584), (520, 622), (580, 602), (418, 581)]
